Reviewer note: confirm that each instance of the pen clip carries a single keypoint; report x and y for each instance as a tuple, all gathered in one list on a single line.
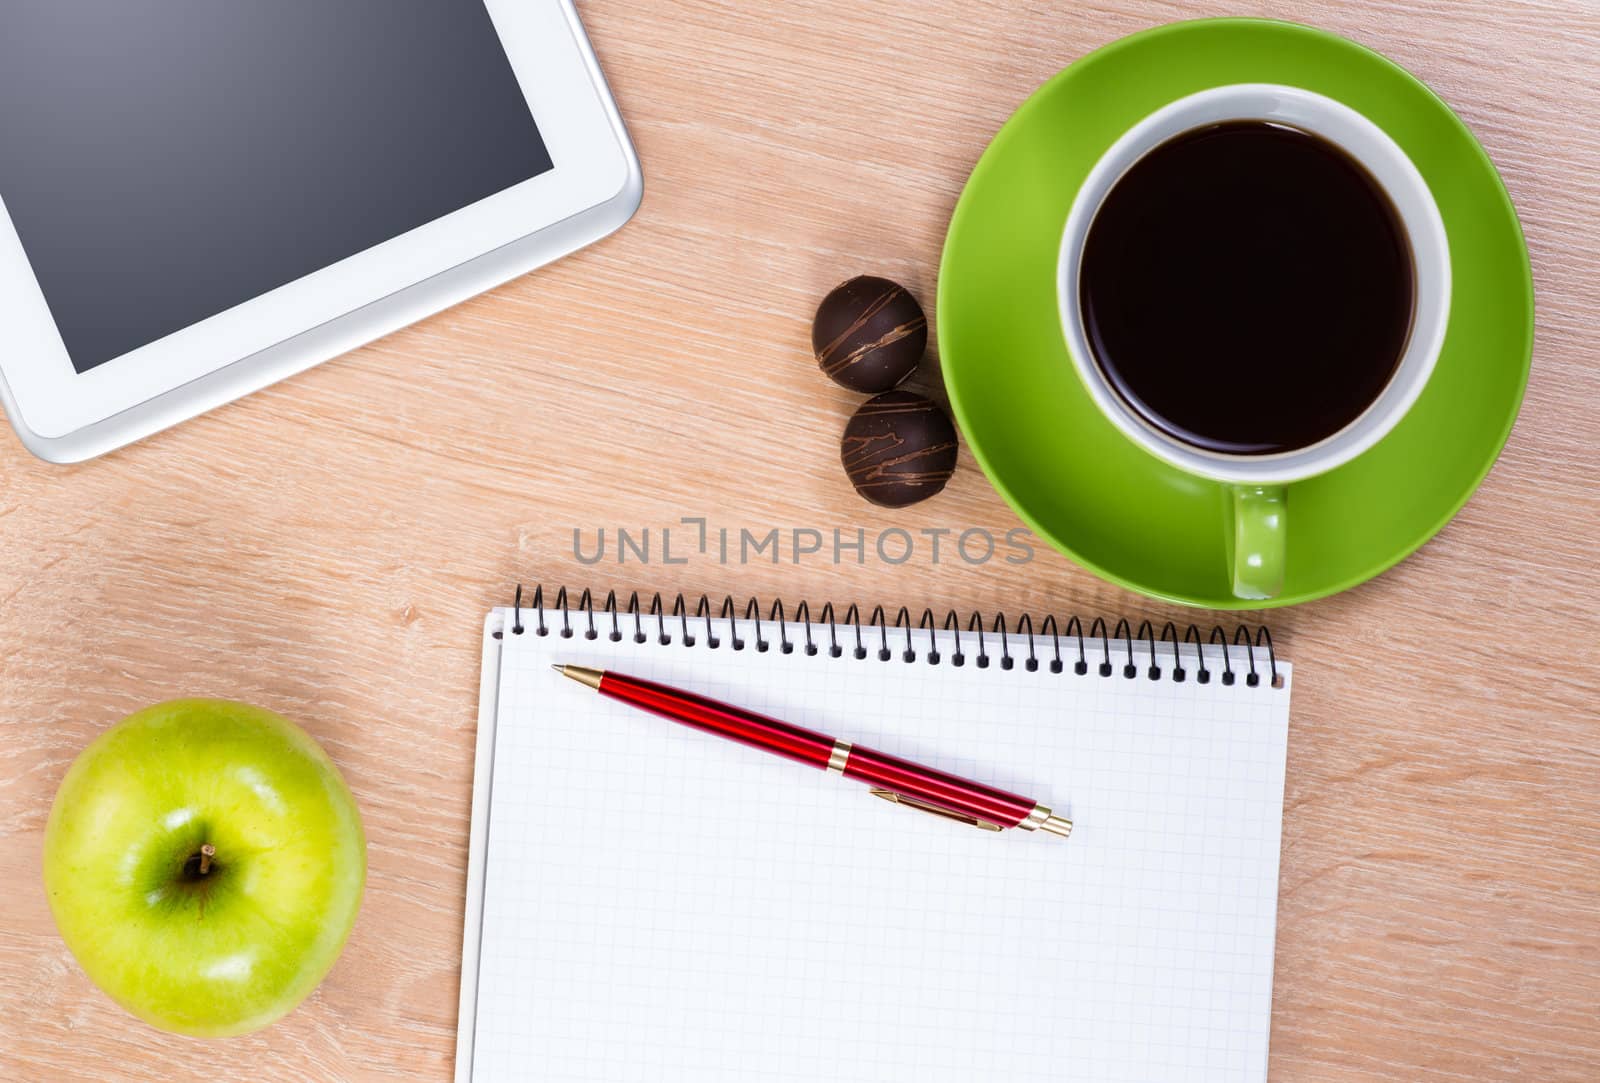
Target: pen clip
[(933, 810)]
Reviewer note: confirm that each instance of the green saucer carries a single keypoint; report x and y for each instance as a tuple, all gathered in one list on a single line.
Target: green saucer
[(1110, 505)]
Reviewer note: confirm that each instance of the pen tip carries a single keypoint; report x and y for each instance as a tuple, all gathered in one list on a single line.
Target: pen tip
[(590, 678)]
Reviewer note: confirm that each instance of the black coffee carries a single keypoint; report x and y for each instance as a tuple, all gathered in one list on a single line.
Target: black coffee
[(1247, 288)]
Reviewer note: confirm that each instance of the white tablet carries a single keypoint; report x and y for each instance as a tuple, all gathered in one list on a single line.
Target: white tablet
[(198, 200)]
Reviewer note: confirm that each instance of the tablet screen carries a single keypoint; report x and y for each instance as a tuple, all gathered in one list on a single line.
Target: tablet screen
[(164, 160)]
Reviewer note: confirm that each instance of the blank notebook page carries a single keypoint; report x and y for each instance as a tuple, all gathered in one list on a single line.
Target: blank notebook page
[(661, 904)]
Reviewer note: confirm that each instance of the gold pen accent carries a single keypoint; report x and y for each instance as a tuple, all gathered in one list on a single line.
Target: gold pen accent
[(933, 810), (1042, 819), (839, 757), (582, 674)]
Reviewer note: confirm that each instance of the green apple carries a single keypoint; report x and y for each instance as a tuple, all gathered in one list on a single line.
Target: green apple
[(204, 862)]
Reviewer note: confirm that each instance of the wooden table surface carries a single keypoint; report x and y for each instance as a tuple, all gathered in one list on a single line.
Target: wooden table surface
[(328, 547)]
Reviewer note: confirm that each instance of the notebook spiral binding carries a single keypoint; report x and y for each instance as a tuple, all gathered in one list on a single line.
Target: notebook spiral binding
[(639, 615)]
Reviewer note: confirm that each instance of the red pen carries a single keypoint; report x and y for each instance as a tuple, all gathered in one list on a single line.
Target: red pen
[(891, 778)]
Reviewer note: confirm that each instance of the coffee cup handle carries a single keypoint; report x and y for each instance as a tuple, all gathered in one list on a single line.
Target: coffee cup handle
[(1258, 534)]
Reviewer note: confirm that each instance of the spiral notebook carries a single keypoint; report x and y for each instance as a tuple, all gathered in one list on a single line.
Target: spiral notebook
[(649, 902)]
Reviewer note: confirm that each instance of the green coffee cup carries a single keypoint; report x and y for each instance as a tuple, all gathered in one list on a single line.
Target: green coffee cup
[(1255, 517)]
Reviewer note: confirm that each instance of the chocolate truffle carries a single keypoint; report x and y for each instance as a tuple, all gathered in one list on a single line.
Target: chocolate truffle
[(869, 334), (899, 448)]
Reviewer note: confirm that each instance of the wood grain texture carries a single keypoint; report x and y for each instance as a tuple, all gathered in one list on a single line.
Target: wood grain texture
[(328, 547)]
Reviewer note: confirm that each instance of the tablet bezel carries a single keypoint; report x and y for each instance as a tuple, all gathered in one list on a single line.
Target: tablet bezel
[(592, 189)]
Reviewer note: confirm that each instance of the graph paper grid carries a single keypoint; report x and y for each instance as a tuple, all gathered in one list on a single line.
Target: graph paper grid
[(660, 904)]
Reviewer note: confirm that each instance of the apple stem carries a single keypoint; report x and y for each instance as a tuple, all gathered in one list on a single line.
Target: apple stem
[(207, 852)]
